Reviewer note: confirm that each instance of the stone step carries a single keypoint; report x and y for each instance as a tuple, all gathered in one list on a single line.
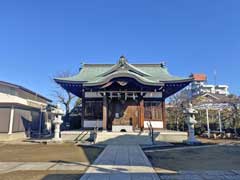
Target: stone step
[(76, 136), (111, 138)]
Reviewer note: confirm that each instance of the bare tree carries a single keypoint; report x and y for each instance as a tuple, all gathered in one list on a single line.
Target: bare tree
[(177, 104), (234, 104), (62, 96)]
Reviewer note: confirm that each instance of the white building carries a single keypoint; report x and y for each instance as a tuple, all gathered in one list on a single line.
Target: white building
[(200, 86), (23, 112)]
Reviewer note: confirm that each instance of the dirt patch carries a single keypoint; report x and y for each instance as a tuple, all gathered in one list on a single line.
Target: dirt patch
[(205, 158), (218, 141), (48, 153), (42, 175)]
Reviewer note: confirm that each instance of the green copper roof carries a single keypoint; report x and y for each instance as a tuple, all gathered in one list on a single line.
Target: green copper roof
[(98, 74)]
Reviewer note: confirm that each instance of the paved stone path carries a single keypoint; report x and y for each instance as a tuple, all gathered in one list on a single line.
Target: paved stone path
[(121, 162), (6, 167)]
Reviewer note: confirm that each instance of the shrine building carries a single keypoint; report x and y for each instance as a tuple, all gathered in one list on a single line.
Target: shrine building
[(123, 96)]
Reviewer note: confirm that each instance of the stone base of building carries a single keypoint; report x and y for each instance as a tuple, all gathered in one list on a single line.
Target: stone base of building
[(122, 128), (160, 135), (123, 138), (170, 136), (76, 135)]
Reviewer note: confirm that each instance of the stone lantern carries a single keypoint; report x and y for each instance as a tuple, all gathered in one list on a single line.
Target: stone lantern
[(190, 112), (58, 112)]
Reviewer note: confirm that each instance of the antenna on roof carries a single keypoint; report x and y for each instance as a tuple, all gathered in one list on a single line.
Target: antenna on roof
[(215, 77)]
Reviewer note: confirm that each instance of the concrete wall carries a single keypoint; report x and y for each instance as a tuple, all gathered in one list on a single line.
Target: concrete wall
[(4, 119), (155, 124), (92, 123)]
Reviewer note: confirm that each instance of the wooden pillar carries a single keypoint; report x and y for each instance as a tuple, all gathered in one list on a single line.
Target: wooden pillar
[(104, 121), (141, 124), (164, 114)]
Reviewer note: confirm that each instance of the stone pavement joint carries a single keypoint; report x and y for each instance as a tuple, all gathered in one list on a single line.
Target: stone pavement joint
[(121, 162), (6, 167)]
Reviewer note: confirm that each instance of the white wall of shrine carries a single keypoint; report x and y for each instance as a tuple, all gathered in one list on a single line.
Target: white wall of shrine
[(155, 124), (92, 123)]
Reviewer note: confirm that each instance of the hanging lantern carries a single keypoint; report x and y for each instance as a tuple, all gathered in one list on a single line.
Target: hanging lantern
[(119, 95), (126, 96)]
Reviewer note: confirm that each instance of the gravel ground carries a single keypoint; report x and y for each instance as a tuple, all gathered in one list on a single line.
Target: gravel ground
[(200, 159), (42, 175), (47, 153)]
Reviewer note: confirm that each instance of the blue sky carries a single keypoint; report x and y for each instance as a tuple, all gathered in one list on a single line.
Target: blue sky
[(41, 38)]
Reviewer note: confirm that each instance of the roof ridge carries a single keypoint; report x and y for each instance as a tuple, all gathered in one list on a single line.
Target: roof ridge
[(152, 64)]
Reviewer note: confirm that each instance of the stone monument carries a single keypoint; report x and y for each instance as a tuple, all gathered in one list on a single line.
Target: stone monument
[(190, 112)]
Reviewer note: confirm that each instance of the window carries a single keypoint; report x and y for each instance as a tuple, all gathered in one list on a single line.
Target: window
[(152, 110), (8, 90), (93, 110)]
